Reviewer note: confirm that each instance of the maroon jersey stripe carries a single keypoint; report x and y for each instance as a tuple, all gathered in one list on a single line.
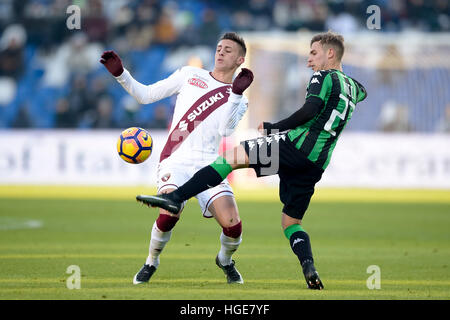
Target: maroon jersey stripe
[(199, 111)]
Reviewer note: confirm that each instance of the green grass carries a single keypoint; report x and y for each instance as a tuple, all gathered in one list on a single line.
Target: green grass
[(108, 240)]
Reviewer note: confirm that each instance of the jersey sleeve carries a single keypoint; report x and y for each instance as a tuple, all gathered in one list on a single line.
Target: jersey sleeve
[(146, 94), (307, 112), (234, 110), (319, 86), (362, 93)]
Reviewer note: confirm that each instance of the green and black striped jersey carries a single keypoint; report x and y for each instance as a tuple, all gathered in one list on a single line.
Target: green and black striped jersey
[(338, 94)]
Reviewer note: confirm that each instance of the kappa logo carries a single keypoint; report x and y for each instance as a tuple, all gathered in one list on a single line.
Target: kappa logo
[(314, 80), (198, 83), (260, 141), (277, 137), (297, 241)]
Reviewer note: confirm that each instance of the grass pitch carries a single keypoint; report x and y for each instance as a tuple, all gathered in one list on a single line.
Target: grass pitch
[(105, 233)]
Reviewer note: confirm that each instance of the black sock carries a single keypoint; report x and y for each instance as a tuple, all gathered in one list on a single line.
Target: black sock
[(205, 178), (301, 246)]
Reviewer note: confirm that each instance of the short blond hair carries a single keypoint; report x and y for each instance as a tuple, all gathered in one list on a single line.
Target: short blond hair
[(334, 40)]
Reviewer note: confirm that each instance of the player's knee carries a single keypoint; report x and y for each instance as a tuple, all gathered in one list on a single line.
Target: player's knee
[(168, 190), (233, 231), (166, 222), (162, 211), (287, 221)]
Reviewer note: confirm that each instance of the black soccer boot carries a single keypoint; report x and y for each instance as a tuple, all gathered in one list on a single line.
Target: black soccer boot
[(162, 201), (144, 274), (311, 275)]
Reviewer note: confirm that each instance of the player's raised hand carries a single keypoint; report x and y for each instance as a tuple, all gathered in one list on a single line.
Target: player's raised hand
[(112, 62), (242, 81)]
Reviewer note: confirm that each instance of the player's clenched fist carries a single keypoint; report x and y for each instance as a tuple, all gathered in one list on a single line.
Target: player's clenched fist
[(112, 62), (242, 81)]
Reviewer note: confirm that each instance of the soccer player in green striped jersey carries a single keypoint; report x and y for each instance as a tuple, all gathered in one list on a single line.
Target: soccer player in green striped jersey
[(298, 149), (331, 96)]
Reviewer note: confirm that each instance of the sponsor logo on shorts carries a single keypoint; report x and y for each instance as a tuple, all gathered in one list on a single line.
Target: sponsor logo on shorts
[(297, 241)]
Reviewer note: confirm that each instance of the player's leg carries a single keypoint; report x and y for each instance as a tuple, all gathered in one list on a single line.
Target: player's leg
[(161, 233), (207, 177), (298, 177), (261, 154), (301, 246), (225, 211), (296, 190), (160, 236), (297, 236)]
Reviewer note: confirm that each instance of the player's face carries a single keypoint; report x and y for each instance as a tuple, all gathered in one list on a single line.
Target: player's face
[(317, 59), (228, 56)]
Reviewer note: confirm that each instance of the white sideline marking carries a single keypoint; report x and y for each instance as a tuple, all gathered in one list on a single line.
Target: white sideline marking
[(13, 223)]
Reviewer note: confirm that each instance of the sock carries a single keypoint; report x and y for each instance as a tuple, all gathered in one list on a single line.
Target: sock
[(158, 241), (207, 177), (166, 222), (228, 246), (300, 243), (233, 231)]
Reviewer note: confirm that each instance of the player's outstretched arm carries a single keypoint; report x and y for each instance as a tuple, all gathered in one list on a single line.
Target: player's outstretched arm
[(307, 112), (143, 94), (113, 64)]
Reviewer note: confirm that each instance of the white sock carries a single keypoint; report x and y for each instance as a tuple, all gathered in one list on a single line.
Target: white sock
[(158, 241), (227, 248)]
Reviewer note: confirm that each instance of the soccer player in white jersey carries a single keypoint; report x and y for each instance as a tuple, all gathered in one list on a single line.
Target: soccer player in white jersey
[(209, 106)]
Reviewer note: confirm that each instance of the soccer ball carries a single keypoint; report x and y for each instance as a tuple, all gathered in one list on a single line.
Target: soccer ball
[(134, 145)]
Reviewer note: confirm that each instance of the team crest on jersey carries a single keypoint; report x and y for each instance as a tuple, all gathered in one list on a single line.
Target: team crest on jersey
[(165, 177), (198, 83)]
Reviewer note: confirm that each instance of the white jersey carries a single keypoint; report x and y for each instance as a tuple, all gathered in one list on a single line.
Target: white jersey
[(205, 111)]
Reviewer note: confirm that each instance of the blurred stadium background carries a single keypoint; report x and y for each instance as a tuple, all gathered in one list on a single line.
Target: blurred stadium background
[(60, 111)]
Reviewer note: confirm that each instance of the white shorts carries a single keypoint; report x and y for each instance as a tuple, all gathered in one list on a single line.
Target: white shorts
[(173, 175)]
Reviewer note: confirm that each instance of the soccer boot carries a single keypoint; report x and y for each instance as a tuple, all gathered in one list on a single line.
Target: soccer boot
[(233, 276), (162, 201), (311, 275), (144, 274)]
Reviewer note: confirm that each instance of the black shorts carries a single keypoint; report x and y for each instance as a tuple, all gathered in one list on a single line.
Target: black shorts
[(276, 154)]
